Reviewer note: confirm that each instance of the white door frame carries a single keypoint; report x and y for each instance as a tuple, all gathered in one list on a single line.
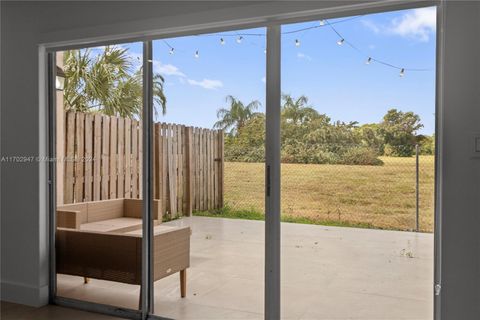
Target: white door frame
[(272, 159)]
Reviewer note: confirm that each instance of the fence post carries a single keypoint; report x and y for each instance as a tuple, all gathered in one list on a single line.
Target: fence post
[(417, 190), (189, 169), (221, 135)]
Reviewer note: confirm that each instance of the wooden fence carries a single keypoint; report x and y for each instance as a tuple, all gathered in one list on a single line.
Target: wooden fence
[(104, 161)]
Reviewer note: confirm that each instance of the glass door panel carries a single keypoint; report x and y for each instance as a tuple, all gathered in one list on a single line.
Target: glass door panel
[(209, 176), (99, 174), (357, 156)]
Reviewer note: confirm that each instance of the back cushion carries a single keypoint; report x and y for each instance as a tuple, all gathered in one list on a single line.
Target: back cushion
[(133, 208), (104, 210)]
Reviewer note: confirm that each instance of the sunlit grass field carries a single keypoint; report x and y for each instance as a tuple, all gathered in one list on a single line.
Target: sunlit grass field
[(363, 196)]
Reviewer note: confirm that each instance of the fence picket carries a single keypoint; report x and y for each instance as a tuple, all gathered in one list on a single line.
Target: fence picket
[(140, 160), (70, 155), (97, 156), (215, 169), (113, 158), (120, 157), (165, 169), (202, 163), (128, 158), (211, 174), (135, 164), (221, 188), (79, 156), (107, 163), (105, 157), (88, 157), (179, 170)]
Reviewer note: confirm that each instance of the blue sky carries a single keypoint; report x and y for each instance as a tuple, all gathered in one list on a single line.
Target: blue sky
[(335, 78)]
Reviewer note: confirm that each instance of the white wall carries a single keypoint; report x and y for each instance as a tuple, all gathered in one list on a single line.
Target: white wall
[(461, 173), (24, 252)]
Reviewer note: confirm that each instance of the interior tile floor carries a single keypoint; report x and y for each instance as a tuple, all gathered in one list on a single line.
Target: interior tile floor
[(11, 311), (327, 273)]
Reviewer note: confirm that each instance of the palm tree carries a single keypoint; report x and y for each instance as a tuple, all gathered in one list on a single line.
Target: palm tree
[(107, 83), (297, 111), (236, 115)]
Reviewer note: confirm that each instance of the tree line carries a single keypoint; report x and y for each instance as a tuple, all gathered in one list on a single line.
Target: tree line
[(110, 82), (308, 136)]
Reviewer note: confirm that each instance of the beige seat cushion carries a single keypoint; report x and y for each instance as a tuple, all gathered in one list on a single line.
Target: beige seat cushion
[(156, 230), (110, 225)]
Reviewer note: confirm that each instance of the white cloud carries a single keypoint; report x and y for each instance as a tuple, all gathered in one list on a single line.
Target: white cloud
[(172, 70), (206, 83), (158, 66), (264, 79), (417, 24), (301, 55), (167, 69), (371, 25)]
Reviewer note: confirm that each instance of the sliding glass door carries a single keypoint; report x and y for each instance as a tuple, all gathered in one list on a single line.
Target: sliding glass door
[(208, 248), (189, 169), (159, 187), (97, 209), (358, 127)]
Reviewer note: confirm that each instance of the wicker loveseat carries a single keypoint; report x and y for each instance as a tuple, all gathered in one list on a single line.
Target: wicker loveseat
[(103, 240)]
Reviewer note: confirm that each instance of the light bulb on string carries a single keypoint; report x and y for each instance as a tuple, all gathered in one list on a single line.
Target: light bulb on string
[(171, 51), (197, 54), (322, 22), (239, 39), (340, 42), (297, 43), (402, 72), (369, 60), (222, 41)]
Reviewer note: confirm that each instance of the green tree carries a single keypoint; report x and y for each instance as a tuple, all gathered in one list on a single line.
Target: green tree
[(427, 144), (399, 130), (107, 83), (297, 111), (236, 115), (248, 145), (371, 136)]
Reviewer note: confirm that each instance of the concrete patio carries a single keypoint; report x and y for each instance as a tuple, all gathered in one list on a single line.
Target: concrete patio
[(327, 273)]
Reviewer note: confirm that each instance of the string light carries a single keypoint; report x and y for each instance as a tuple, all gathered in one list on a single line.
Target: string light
[(172, 49), (342, 40), (240, 37)]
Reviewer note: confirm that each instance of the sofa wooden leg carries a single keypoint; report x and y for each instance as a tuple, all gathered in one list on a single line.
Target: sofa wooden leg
[(183, 283), (86, 280)]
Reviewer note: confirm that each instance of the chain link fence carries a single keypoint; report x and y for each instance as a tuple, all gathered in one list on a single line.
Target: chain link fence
[(387, 196)]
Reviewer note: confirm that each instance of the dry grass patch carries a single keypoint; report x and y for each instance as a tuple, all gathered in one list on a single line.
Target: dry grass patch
[(374, 196)]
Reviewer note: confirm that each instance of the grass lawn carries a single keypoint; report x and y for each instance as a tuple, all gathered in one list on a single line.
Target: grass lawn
[(362, 196)]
